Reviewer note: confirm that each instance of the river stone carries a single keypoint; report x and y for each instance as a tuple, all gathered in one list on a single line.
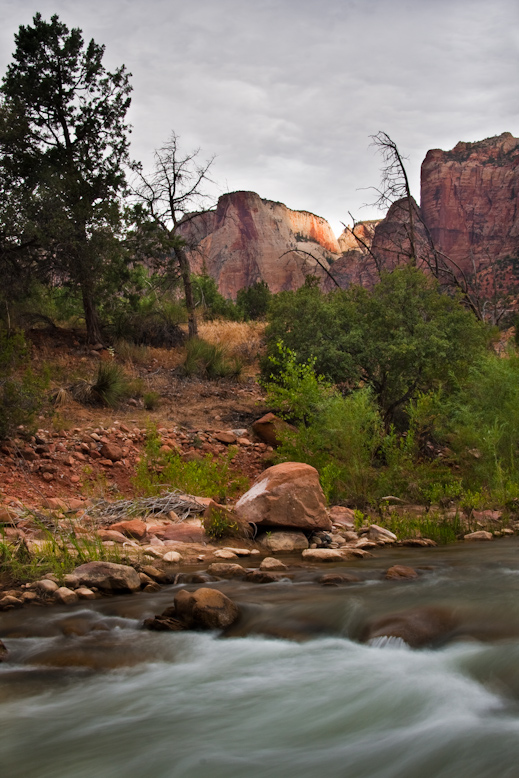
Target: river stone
[(226, 570), (334, 579), (286, 495), (270, 563), (377, 534), (400, 572), (108, 576), (85, 594), (46, 586), (418, 627), (284, 542), (134, 528), (224, 553), (205, 608), (65, 595), (172, 556), (262, 576), (8, 602), (3, 652), (322, 555), (480, 535)]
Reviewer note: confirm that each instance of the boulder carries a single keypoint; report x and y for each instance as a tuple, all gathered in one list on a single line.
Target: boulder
[(480, 535), (286, 495), (133, 528), (418, 627), (205, 609), (284, 542), (65, 595), (380, 534), (267, 429), (112, 452), (226, 570), (108, 576), (270, 563), (344, 517), (322, 555), (400, 572)]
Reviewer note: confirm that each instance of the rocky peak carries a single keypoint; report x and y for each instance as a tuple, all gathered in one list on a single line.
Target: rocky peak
[(247, 239)]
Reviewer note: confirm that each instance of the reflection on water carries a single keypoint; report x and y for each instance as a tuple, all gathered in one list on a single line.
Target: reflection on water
[(87, 693)]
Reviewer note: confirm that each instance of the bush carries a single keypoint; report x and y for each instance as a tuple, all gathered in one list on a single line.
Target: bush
[(22, 394), (206, 477), (206, 360), (210, 302), (151, 400), (402, 338), (253, 301), (110, 386)]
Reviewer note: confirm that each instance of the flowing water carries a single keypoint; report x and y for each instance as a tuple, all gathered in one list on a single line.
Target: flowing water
[(290, 692)]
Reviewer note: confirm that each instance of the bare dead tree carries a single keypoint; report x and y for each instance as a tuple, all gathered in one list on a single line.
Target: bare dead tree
[(395, 183), (173, 194)]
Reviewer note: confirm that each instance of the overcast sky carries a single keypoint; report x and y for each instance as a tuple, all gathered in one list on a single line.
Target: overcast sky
[(286, 93)]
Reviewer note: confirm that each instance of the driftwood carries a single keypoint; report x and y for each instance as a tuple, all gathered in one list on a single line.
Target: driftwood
[(184, 505)]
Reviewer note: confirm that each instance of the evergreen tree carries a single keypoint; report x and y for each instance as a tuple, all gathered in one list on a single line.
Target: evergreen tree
[(63, 147)]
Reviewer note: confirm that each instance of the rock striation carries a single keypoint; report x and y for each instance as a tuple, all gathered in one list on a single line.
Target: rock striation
[(248, 239), (470, 200)]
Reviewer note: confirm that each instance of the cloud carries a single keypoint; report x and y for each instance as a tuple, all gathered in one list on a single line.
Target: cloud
[(287, 93)]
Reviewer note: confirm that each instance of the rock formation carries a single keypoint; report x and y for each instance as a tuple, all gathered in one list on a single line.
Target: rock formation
[(470, 199), (246, 239)]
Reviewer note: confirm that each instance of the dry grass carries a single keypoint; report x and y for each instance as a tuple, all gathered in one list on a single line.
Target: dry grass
[(239, 339)]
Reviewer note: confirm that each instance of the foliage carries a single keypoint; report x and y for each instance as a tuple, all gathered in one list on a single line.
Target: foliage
[(253, 301), (151, 400), (109, 387), (219, 525), (431, 525), (60, 553), (63, 145), (211, 303), (402, 338), (207, 360), (21, 392), (205, 477)]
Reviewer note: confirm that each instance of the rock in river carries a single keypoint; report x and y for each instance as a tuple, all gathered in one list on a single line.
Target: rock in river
[(108, 576)]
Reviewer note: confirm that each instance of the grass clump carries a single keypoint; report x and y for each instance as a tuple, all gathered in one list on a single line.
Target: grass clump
[(220, 525), (207, 360), (151, 400), (109, 387)]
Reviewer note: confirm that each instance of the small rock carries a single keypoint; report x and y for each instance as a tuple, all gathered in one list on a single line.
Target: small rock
[(270, 563), (85, 594), (377, 533), (225, 437), (334, 579), (153, 586), (225, 570), (223, 553), (172, 557), (238, 551), (65, 595), (399, 572), (284, 542), (262, 577), (480, 535), (322, 555), (418, 542), (46, 586), (111, 451), (134, 528), (205, 608), (9, 601)]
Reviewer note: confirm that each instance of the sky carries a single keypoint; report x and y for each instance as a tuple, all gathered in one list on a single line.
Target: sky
[(285, 94)]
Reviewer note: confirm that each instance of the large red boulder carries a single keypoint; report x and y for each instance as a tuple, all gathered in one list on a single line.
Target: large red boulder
[(286, 495)]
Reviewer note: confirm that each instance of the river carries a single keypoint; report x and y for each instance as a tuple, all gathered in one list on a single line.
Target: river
[(289, 693)]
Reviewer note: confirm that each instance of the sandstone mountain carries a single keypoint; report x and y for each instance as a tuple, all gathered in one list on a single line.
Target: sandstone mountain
[(468, 220), (248, 239)]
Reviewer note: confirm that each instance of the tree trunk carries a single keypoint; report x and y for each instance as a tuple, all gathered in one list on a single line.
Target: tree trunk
[(185, 272), (93, 326)]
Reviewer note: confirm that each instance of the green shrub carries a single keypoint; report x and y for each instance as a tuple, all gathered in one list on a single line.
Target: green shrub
[(210, 302), (151, 400), (218, 525), (109, 387), (207, 360), (206, 477), (253, 301), (22, 393)]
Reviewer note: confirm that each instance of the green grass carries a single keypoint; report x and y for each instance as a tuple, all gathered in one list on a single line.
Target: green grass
[(209, 476), (431, 525), (59, 554), (207, 360)]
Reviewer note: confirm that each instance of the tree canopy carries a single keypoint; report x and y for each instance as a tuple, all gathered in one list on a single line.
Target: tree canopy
[(63, 150)]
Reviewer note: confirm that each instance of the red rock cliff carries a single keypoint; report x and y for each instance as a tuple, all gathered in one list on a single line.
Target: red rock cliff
[(247, 239), (470, 200)]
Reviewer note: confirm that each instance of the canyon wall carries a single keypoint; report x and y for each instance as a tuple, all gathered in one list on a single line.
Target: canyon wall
[(470, 200), (248, 239)]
